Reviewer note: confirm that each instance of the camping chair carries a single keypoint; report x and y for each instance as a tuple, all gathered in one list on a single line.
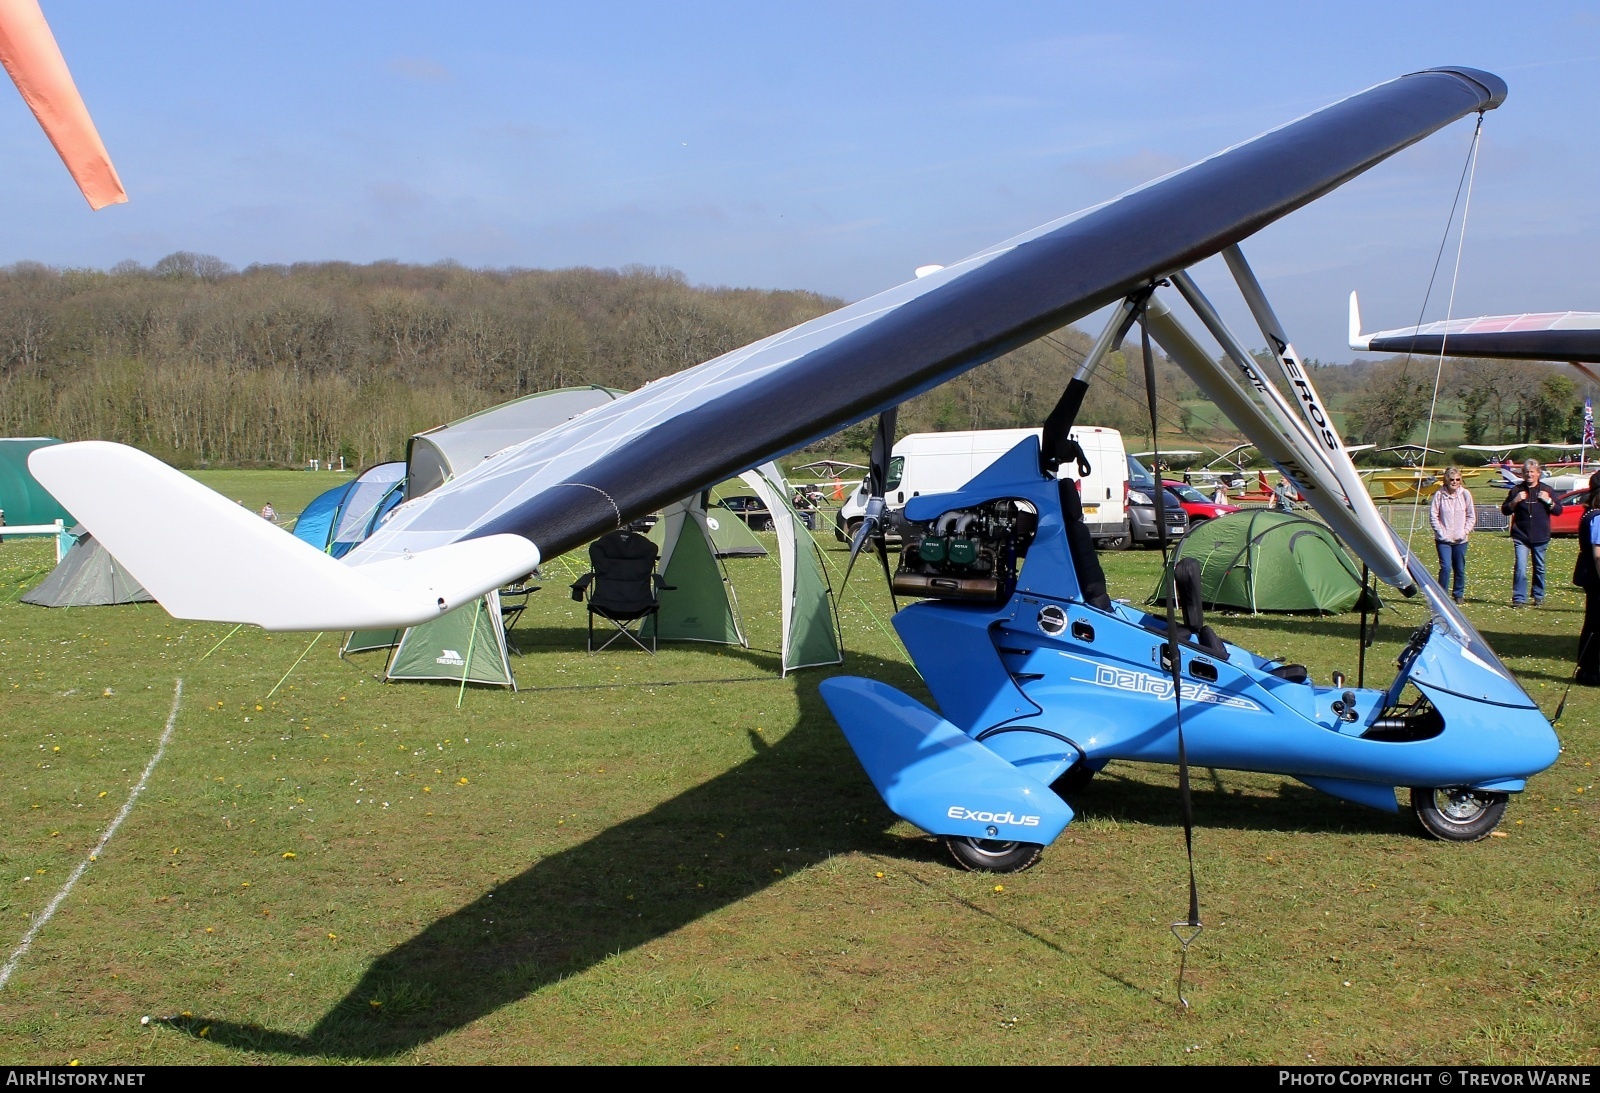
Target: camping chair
[(621, 586), (514, 600)]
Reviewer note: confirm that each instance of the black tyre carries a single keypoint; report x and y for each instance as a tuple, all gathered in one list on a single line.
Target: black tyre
[(1457, 814), (1117, 542), (992, 855)]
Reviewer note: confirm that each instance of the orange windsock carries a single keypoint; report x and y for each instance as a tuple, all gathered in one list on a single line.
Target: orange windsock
[(31, 56)]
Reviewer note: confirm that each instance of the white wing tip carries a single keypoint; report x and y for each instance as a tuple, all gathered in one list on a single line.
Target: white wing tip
[(1358, 340), (204, 557)]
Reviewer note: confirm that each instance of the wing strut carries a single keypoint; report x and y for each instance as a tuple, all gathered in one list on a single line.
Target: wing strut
[(1278, 433)]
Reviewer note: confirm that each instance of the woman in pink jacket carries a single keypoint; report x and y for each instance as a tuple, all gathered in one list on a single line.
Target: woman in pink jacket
[(1452, 515)]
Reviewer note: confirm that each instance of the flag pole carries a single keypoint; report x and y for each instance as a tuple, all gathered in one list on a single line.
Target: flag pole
[(1588, 434)]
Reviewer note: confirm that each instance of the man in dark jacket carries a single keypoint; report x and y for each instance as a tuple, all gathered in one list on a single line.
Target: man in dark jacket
[(1530, 504)]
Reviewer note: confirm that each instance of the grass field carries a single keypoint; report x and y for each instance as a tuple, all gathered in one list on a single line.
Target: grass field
[(677, 859)]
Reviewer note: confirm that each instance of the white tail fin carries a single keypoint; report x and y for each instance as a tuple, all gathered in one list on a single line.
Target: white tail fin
[(205, 557)]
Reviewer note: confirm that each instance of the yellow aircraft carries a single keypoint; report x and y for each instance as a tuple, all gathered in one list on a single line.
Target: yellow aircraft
[(1415, 480)]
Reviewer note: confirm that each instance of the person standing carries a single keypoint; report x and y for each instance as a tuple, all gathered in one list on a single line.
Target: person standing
[(1219, 496), (1453, 517), (1586, 575), (1530, 504), (1283, 496)]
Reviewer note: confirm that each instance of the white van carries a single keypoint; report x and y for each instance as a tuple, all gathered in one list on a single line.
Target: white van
[(942, 462)]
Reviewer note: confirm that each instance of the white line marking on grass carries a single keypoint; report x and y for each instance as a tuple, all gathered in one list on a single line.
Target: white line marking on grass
[(50, 909)]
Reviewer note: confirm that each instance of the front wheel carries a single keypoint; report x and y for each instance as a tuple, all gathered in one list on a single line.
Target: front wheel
[(992, 855), (1457, 814)]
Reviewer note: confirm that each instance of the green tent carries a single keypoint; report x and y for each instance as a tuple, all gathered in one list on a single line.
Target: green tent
[(22, 499), (467, 645), (702, 605), (731, 537), (366, 641), (811, 636), (1262, 560)]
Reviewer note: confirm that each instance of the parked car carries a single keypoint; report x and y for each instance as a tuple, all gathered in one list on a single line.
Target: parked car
[(1142, 510), (750, 509), (1197, 505), (1142, 518), (1571, 512)]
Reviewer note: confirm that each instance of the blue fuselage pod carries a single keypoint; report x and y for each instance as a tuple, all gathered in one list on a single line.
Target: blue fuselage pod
[(931, 773), (1043, 681)]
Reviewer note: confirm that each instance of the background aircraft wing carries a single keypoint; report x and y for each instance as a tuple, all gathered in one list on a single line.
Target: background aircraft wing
[(1572, 336), (678, 434)]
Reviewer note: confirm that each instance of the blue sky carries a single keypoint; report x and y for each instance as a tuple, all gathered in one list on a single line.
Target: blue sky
[(832, 147)]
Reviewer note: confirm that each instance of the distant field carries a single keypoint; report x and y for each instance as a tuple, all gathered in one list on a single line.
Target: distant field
[(289, 491), (677, 859)]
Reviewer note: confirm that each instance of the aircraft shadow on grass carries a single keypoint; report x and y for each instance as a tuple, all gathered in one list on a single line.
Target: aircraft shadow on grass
[(790, 805)]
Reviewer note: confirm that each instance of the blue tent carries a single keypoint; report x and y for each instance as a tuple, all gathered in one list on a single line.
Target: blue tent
[(337, 520)]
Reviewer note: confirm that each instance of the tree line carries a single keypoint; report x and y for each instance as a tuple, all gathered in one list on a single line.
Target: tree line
[(1495, 402), (274, 365)]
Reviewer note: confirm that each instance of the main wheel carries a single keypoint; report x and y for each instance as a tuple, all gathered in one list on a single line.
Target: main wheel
[(1116, 542), (992, 855), (1456, 813)]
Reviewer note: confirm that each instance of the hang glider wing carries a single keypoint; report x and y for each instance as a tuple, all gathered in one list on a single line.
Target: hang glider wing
[(1236, 456), (1571, 336), (646, 449), (30, 54)]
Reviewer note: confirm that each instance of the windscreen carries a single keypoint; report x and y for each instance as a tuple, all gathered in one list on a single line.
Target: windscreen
[(1447, 615)]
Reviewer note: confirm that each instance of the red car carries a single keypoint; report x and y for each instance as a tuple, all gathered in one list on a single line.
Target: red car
[(1200, 508), (1571, 512)]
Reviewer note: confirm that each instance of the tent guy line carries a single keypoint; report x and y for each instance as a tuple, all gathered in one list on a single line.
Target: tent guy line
[(50, 908)]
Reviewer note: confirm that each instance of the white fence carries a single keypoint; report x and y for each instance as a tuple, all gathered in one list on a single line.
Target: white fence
[(58, 529)]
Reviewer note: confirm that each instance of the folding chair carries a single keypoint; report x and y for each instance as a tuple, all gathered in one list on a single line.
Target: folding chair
[(514, 600), (621, 586)]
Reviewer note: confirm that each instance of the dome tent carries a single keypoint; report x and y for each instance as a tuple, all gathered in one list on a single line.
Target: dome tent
[(435, 456), (87, 576), (1262, 560), (339, 519)]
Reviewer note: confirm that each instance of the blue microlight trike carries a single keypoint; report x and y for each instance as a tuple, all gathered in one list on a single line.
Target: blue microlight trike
[(1041, 680)]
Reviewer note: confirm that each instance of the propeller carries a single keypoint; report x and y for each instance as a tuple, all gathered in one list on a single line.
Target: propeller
[(873, 521)]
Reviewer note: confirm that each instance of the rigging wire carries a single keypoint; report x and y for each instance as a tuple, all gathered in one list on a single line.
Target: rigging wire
[(1189, 929), (1469, 174)]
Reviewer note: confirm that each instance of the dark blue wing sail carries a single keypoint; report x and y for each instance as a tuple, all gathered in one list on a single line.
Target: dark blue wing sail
[(672, 437), (631, 456)]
